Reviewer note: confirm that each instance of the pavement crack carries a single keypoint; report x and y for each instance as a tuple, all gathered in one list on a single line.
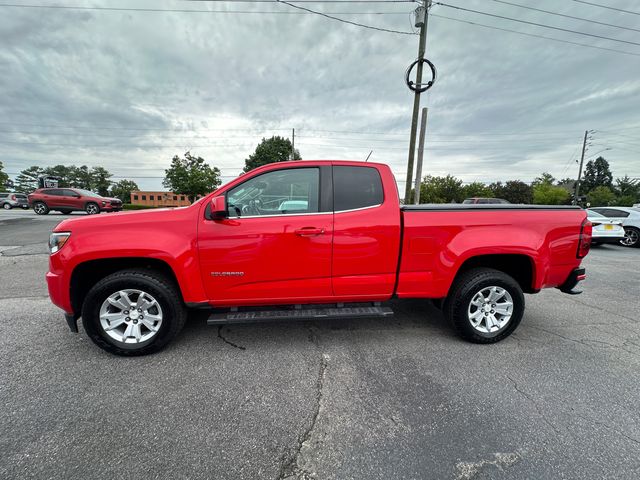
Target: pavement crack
[(535, 405), (609, 427), (229, 342), (291, 468)]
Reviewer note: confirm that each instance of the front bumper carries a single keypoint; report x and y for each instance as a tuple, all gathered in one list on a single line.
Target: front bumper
[(575, 277)]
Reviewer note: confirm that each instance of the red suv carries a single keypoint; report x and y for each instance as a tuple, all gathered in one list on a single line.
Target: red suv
[(67, 200)]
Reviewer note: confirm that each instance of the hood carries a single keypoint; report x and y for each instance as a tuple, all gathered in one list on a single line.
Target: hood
[(115, 222)]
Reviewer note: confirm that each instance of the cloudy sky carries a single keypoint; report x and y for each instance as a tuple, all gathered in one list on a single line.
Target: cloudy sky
[(128, 89)]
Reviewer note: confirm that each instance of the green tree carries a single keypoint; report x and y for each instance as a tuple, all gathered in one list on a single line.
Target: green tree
[(100, 182), (27, 179), (271, 150), (596, 174), (62, 172), (545, 179), (601, 197), (191, 176), (441, 189), (516, 191), (80, 177), (4, 178), (627, 188), (476, 189), (545, 193), (122, 190)]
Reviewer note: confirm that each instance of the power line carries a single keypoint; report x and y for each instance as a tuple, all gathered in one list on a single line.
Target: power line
[(455, 7), (184, 10), (565, 16), (607, 7), (102, 127), (304, 1), (331, 17), (493, 27)]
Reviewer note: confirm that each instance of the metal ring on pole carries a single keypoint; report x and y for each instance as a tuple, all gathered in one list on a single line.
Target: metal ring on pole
[(420, 87)]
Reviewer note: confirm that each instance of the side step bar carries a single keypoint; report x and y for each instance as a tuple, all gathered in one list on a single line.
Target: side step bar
[(298, 314)]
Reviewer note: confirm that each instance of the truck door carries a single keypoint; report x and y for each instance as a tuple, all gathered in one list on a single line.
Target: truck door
[(366, 233), (275, 247)]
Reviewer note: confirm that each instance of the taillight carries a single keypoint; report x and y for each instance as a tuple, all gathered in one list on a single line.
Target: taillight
[(584, 242)]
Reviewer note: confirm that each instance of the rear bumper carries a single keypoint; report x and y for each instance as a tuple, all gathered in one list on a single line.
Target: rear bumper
[(606, 239), (575, 277)]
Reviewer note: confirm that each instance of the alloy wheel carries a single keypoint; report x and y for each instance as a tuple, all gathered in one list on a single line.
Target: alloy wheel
[(130, 316), (631, 237), (490, 309)]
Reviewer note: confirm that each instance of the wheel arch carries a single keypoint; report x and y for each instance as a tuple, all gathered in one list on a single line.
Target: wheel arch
[(85, 275), (520, 267)]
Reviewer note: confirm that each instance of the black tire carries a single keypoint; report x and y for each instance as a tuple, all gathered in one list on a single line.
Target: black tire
[(7, 206), (465, 287), (632, 237), (40, 208), (92, 208), (159, 286)]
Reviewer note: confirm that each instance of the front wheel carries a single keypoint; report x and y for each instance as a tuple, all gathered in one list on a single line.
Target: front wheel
[(485, 305), (133, 312), (631, 237), (92, 208)]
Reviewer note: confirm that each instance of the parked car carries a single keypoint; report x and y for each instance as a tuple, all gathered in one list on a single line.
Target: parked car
[(630, 218), (10, 200), (484, 201), (67, 200), (605, 230), (302, 234)]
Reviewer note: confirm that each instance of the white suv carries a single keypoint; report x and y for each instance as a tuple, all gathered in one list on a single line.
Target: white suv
[(630, 218)]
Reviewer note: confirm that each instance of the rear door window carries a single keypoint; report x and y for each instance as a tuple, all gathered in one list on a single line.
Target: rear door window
[(56, 192), (356, 187)]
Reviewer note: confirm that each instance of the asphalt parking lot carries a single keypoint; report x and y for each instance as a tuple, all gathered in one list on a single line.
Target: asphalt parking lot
[(362, 399)]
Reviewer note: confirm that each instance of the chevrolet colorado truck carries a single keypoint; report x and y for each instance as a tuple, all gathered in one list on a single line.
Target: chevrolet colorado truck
[(309, 239)]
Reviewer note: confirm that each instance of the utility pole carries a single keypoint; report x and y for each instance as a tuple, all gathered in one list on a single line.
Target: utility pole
[(584, 149), (293, 143), (416, 99), (423, 127)]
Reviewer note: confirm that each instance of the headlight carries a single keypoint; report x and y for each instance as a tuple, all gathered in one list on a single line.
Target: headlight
[(57, 241)]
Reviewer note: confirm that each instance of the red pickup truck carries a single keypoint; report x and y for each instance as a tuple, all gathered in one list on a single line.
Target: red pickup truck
[(308, 239)]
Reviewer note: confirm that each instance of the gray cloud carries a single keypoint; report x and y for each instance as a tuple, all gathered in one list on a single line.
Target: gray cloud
[(128, 90)]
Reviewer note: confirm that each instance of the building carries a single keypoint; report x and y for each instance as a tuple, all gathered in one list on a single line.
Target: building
[(159, 199)]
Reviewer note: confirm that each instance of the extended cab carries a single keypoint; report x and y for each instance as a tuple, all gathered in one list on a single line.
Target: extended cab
[(315, 239)]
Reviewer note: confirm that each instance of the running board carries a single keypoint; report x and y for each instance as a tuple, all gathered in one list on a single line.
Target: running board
[(298, 314)]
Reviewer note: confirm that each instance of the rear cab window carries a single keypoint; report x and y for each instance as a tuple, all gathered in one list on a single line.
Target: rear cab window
[(356, 187)]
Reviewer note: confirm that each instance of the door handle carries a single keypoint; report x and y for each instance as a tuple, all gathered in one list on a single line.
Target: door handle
[(309, 231)]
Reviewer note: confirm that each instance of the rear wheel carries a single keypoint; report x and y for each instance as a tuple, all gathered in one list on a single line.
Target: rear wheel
[(6, 206), (40, 208), (631, 237), (485, 305), (92, 208), (133, 312)]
